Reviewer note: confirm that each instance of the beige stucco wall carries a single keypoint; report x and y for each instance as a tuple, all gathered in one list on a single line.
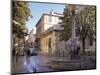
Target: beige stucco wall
[(44, 41), (57, 46), (40, 27), (49, 23)]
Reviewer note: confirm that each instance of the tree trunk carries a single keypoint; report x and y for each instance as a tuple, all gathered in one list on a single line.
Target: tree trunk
[(83, 44)]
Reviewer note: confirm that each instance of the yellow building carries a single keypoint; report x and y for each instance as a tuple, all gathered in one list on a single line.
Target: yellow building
[(47, 42), (47, 34)]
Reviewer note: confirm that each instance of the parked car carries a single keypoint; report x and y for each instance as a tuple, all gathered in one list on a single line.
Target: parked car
[(33, 51)]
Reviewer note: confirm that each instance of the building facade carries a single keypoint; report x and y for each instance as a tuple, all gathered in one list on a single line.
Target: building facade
[(48, 32), (31, 38)]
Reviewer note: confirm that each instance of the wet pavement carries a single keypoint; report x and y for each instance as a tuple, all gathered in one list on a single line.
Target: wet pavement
[(35, 64), (41, 63), (38, 62)]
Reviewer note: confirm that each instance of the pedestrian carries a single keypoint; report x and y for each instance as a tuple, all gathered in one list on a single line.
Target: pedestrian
[(78, 49), (16, 55), (13, 54), (28, 54)]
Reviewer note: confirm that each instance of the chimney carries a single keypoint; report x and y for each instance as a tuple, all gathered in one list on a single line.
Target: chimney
[(51, 12)]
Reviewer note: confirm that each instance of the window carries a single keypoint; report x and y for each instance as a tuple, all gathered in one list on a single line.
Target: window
[(91, 42), (49, 18), (49, 42)]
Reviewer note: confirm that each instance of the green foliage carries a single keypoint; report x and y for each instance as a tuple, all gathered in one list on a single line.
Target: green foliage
[(86, 22), (66, 24), (20, 14)]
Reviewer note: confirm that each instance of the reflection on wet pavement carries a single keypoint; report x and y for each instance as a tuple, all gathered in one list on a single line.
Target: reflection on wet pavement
[(35, 64)]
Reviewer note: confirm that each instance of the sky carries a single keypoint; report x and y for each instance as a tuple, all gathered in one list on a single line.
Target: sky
[(37, 9)]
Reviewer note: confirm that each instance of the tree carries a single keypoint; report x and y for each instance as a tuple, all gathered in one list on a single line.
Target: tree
[(86, 23), (66, 24), (20, 14)]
